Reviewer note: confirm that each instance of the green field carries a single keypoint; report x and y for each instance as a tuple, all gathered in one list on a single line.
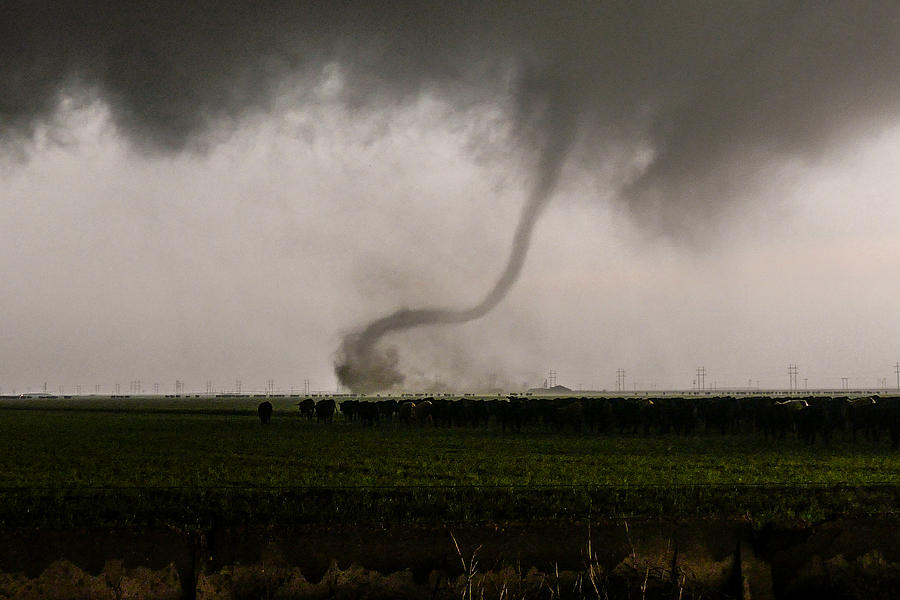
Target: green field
[(187, 462)]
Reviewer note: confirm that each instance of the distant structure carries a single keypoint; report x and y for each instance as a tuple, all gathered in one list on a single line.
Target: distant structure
[(556, 389)]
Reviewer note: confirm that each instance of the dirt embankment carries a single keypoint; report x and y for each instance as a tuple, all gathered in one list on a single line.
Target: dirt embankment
[(639, 559)]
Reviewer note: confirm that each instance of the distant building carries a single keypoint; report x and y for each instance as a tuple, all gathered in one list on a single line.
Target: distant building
[(556, 389)]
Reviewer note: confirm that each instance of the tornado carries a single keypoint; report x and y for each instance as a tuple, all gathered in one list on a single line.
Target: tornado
[(364, 367)]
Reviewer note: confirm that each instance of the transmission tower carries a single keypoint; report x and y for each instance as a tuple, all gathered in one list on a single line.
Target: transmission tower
[(701, 378), (792, 377), (620, 380), (551, 379)]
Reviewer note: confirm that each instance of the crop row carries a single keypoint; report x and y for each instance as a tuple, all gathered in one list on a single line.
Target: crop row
[(430, 505)]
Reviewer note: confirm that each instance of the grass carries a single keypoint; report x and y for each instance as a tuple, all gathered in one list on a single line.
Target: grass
[(189, 461)]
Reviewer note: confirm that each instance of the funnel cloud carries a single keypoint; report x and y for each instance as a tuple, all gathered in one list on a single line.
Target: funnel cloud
[(704, 100), (363, 367)]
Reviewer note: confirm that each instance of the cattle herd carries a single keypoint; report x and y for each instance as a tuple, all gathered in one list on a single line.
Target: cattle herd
[(808, 419)]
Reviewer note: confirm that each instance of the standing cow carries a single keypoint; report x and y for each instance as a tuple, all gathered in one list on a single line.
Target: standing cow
[(325, 411), (307, 408), (264, 410)]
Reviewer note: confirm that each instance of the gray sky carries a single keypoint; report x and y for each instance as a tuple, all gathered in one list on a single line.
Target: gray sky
[(222, 196)]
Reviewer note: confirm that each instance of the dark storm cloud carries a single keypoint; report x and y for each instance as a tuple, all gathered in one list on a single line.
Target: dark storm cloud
[(715, 92)]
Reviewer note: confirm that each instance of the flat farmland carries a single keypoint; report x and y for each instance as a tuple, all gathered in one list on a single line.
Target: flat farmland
[(189, 462)]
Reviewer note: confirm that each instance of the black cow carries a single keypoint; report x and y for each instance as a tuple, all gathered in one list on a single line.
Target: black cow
[(424, 412), (367, 412), (510, 413), (307, 408), (349, 408), (721, 414), (325, 411), (863, 413), (264, 410), (386, 409), (887, 413), (407, 412)]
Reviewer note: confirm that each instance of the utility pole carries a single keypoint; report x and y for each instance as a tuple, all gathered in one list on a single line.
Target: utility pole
[(306, 387), (897, 371), (237, 386), (792, 377)]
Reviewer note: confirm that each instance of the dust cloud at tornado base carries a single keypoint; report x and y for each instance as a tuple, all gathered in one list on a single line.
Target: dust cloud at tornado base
[(707, 98)]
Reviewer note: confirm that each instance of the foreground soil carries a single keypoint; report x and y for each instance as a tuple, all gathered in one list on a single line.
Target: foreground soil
[(611, 559)]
